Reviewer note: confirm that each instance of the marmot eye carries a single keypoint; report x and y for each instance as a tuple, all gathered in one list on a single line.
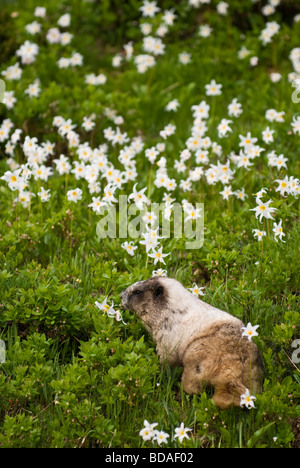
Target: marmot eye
[(137, 292)]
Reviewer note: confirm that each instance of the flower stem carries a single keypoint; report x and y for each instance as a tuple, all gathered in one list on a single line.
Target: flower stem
[(262, 248)]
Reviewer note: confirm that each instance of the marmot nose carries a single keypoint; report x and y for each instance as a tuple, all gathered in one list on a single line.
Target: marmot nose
[(124, 296)]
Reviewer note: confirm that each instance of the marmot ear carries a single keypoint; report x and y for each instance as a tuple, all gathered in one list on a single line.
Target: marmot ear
[(158, 291)]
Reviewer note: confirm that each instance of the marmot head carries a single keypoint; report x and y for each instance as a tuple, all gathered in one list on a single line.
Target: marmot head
[(145, 298), (156, 298)]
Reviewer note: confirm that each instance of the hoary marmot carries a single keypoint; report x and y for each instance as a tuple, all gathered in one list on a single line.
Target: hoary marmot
[(205, 341)]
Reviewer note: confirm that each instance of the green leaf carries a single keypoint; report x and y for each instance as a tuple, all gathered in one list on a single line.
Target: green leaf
[(258, 434)]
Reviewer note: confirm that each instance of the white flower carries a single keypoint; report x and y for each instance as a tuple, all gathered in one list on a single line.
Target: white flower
[(167, 131), (240, 194), (267, 33), (92, 79), (64, 21), (34, 89), (129, 247), (205, 30), (129, 50), (97, 204), (88, 124), (117, 60), (250, 331), (41, 172), (40, 12), (28, 52), (169, 17), (184, 58), (139, 197), (263, 210), (74, 195), (254, 61), (109, 197), (196, 291), (213, 89), (283, 186), (14, 72), (44, 195), (243, 53), (9, 99), (158, 256), (261, 193), (63, 62), (159, 272), (222, 8), (193, 213), (33, 28), (149, 9), (268, 135), (201, 111), (161, 437), (268, 10), (259, 234), (153, 45), (66, 127), (172, 106), (76, 59), (247, 141), (227, 192), (278, 231), (296, 125), (148, 432), (53, 36), (109, 310), (275, 77), (149, 218), (223, 128), (235, 108), (13, 179), (277, 161), (151, 154), (65, 38), (24, 198), (274, 116), (151, 239), (181, 432), (4, 134), (62, 165), (243, 160), (247, 400), (294, 186)]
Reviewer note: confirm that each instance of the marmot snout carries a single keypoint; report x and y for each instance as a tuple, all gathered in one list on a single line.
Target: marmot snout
[(205, 341)]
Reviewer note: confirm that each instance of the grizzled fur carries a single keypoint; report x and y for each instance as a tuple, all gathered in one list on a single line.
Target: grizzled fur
[(205, 341)]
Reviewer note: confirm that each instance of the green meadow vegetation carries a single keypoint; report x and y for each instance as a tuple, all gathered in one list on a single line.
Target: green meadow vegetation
[(177, 102)]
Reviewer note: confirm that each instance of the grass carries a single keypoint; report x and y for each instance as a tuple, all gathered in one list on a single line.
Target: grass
[(74, 377)]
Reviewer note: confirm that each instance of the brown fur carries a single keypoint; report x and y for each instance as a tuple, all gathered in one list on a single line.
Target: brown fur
[(224, 360)]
